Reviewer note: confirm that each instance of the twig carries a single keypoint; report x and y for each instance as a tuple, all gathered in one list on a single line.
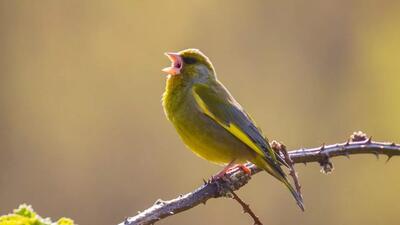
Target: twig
[(281, 149), (237, 178), (246, 208)]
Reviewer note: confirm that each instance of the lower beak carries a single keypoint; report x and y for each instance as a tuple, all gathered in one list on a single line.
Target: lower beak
[(176, 63)]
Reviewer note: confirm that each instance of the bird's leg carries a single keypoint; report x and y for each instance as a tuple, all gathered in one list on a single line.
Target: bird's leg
[(243, 167), (223, 171), (230, 167)]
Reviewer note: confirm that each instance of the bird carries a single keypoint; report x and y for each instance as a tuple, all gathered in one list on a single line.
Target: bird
[(212, 123)]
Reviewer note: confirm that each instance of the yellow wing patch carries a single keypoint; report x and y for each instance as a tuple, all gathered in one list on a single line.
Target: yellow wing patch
[(231, 128), (243, 137)]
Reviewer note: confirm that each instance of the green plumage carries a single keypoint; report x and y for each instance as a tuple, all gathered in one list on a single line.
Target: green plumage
[(212, 123)]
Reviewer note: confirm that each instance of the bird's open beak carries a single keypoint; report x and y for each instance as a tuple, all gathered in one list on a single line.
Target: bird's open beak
[(176, 64)]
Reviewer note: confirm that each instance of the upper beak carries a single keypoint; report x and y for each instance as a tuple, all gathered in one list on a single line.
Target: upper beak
[(176, 63)]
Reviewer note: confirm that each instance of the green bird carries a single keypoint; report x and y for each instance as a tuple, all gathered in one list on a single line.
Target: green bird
[(211, 122)]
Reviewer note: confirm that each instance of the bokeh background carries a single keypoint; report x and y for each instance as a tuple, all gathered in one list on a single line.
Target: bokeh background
[(83, 133)]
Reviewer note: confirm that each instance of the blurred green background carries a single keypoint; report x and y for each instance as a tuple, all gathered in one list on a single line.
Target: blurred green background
[(83, 133)]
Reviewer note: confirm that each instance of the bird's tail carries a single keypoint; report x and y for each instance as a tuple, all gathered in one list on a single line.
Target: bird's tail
[(297, 196), (275, 170)]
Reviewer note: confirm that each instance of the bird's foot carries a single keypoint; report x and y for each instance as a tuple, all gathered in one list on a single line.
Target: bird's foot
[(219, 175), (229, 169), (243, 167)]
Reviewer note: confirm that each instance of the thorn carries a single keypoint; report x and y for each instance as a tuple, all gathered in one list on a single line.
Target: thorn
[(393, 144), (388, 158), (369, 140), (376, 154), (204, 181), (204, 202), (322, 147), (159, 202), (347, 142), (347, 154)]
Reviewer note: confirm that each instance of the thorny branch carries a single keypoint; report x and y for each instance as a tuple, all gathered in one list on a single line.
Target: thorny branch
[(281, 149), (246, 208), (235, 179)]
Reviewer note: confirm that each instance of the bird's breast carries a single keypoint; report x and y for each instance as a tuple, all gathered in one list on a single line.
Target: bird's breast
[(175, 96)]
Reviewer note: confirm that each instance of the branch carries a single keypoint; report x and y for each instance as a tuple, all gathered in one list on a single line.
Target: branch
[(235, 179), (246, 209), (281, 149)]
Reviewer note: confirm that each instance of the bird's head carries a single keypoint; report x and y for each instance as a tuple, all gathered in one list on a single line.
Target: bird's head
[(189, 63)]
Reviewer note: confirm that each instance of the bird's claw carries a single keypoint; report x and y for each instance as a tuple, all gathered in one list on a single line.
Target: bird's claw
[(243, 167), (226, 171)]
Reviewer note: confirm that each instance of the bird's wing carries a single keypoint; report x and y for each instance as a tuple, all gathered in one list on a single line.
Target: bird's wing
[(216, 102)]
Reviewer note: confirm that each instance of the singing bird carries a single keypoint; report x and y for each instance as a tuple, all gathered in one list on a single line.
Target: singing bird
[(211, 122)]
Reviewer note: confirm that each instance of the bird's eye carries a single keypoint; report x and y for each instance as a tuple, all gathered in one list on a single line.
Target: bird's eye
[(189, 60)]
